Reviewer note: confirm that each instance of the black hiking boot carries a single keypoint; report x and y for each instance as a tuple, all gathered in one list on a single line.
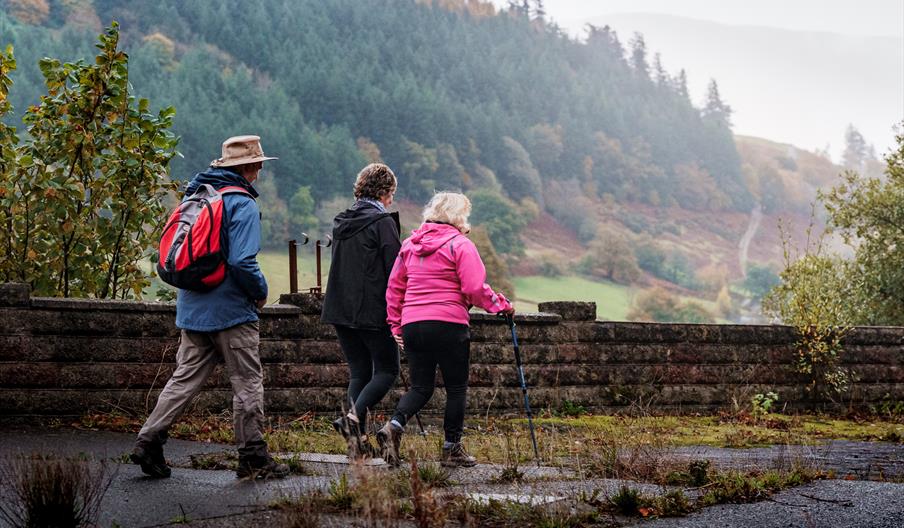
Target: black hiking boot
[(456, 456), (261, 468), (150, 458), (389, 438)]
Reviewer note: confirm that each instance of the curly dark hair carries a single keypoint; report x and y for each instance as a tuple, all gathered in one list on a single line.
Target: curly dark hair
[(374, 182)]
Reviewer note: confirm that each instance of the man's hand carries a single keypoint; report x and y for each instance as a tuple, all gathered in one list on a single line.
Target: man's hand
[(261, 303), (399, 341)]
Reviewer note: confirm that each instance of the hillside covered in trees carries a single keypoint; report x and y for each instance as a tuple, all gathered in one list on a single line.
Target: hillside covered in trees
[(581, 156), (452, 94)]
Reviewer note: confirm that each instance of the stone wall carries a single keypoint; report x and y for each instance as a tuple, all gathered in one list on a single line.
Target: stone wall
[(65, 357)]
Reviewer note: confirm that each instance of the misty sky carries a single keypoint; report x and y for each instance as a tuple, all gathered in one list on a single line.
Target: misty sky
[(857, 17), (793, 86)]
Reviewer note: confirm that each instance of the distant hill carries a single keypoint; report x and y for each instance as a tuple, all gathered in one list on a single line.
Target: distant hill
[(816, 82), (784, 180)]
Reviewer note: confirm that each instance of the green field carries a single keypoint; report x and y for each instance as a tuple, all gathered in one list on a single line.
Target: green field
[(275, 265), (612, 300)]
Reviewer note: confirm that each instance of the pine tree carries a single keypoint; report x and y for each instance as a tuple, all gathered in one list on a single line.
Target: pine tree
[(716, 110), (659, 74), (681, 85), (539, 10), (639, 56), (855, 149)]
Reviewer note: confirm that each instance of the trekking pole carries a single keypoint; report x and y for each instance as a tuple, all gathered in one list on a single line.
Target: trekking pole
[(417, 416), (530, 417)]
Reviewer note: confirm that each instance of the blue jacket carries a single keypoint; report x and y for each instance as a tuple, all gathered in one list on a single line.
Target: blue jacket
[(232, 302)]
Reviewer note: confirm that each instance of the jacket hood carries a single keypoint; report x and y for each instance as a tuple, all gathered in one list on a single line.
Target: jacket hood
[(428, 238), (219, 178), (349, 222)]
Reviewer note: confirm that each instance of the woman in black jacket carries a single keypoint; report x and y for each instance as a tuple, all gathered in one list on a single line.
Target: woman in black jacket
[(365, 245)]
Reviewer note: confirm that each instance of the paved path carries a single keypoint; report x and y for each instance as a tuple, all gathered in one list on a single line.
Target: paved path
[(825, 503), (862, 460), (134, 500)]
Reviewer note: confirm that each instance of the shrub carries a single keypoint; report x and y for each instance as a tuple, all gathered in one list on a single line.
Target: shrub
[(498, 275), (339, 493), (550, 264), (658, 305), (813, 298), (627, 500), (570, 408), (567, 203), (51, 491), (650, 256), (84, 194), (502, 219), (611, 257)]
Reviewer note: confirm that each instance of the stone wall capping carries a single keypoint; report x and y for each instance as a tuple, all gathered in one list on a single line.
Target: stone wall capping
[(309, 303), (59, 303), (281, 310), (15, 294), (526, 318), (570, 310)]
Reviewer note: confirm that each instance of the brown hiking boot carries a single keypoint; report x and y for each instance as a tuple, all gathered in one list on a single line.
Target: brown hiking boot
[(349, 431), (389, 438), (261, 468), (367, 449), (456, 456)]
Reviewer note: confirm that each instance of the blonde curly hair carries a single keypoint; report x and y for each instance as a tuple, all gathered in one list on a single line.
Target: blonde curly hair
[(449, 208)]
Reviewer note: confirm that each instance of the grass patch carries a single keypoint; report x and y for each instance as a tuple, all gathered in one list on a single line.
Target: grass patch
[(737, 487), (613, 301), (46, 490), (433, 475), (626, 501), (602, 446), (375, 497), (727, 431)]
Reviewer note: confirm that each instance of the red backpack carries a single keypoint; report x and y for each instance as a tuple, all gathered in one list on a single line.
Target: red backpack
[(193, 248)]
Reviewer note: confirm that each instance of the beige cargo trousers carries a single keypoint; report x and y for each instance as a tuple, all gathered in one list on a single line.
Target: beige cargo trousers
[(199, 353)]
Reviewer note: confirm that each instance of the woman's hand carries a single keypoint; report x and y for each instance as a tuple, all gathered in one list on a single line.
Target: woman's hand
[(508, 313), (399, 341)]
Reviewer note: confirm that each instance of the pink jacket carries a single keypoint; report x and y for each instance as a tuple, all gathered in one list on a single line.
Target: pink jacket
[(438, 276)]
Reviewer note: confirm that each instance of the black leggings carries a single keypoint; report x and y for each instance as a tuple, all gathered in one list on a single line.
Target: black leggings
[(429, 344), (373, 363)]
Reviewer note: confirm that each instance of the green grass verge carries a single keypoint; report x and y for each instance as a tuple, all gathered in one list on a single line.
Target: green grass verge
[(612, 300)]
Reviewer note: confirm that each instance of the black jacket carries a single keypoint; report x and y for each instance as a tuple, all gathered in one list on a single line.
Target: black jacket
[(365, 245)]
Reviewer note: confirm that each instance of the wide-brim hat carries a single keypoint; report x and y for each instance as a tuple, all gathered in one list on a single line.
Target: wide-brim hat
[(239, 150)]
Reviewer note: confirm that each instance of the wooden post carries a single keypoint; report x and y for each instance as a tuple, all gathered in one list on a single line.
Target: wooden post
[(293, 266)]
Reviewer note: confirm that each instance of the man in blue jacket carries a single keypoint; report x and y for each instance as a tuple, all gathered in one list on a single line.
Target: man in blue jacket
[(221, 326)]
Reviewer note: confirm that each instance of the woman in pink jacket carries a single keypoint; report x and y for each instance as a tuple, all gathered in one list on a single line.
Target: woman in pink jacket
[(436, 278)]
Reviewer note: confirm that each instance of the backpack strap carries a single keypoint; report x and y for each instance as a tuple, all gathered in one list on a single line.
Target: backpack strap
[(234, 189)]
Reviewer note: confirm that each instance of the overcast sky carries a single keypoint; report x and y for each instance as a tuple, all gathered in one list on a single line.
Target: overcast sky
[(857, 17), (801, 87)]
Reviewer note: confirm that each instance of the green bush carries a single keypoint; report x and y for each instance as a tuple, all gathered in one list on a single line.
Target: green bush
[(83, 197)]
